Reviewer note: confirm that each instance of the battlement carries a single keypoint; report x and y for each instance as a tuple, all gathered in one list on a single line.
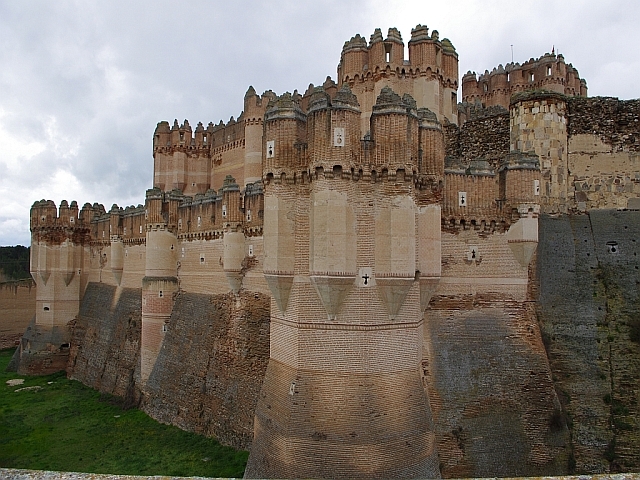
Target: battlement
[(426, 53), (548, 72)]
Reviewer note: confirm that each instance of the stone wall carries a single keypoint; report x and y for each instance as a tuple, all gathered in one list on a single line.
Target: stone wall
[(604, 158), (210, 367), (485, 136), (588, 303)]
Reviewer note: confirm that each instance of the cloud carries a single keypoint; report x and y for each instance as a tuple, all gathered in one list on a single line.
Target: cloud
[(84, 84)]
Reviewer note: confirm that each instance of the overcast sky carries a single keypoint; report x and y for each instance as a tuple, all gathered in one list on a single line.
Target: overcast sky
[(83, 84)]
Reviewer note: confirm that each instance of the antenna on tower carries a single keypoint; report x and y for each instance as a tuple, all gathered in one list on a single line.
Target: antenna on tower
[(511, 53)]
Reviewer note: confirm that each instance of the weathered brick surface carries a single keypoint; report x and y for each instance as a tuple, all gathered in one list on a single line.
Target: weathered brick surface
[(209, 370), (587, 298), (105, 346)]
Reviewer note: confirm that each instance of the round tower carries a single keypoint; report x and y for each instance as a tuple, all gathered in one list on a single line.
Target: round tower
[(538, 124), (160, 282), (346, 316)]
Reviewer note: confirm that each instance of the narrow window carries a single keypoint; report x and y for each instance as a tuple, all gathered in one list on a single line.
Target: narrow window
[(248, 215), (531, 77), (201, 259), (164, 328), (387, 52), (140, 228), (462, 199), (548, 71), (251, 250), (160, 294), (485, 87), (224, 210), (199, 221), (204, 139)]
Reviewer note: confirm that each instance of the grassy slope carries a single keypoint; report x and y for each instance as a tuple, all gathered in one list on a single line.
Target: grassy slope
[(67, 426)]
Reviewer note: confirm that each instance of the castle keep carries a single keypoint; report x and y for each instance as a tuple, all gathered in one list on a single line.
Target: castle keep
[(392, 234)]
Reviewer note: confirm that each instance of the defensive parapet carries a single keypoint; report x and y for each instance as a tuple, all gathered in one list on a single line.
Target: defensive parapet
[(549, 72), (429, 75)]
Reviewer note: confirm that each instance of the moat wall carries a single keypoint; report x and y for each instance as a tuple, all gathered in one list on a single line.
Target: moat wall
[(210, 367), (589, 291)]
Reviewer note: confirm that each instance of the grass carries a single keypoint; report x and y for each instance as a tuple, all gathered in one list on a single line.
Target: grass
[(66, 426)]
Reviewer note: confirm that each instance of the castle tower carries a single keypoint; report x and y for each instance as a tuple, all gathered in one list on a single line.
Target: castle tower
[(59, 245), (538, 124), (254, 107), (342, 396), (117, 245), (233, 240), (520, 191), (181, 159), (430, 75), (160, 282), (549, 73)]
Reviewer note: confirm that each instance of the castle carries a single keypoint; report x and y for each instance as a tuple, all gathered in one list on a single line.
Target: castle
[(369, 210)]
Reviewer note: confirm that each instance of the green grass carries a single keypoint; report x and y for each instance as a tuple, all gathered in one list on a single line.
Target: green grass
[(67, 426)]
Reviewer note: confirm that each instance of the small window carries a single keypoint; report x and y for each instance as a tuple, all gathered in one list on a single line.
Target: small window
[(199, 221), (270, 149), (251, 250), (181, 136), (146, 214), (140, 228), (204, 139), (125, 230), (164, 328), (126, 253), (46, 308), (72, 219), (180, 224), (548, 71), (508, 77), (485, 87), (536, 187), (612, 247), (182, 252), (160, 294), (387, 52), (248, 215), (531, 77), (201, 259), (224, 210), (462, 199)]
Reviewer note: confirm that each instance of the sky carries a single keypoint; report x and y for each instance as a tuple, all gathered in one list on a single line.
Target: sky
[(83, 84)]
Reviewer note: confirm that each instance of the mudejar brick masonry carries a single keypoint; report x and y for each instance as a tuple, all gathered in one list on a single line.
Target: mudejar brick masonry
[(392, 234)]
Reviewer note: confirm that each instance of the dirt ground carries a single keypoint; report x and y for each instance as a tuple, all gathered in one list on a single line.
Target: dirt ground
[(17, 308)]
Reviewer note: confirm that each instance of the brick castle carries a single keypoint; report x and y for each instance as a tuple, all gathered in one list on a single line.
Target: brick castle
[(367, 210)]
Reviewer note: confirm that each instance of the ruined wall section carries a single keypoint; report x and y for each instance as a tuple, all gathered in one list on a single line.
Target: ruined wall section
[(211, 365), (485, 137), (588, 297), (604, 153)]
